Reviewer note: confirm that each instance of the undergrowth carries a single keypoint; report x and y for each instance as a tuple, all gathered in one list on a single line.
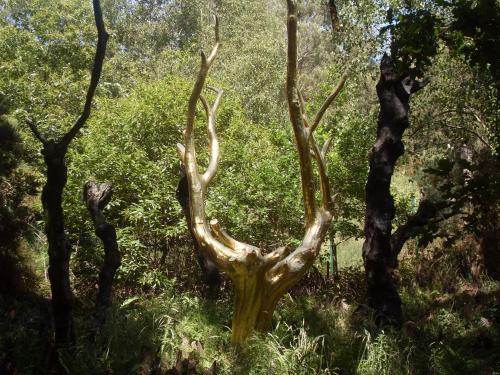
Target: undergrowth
[(317, 331)]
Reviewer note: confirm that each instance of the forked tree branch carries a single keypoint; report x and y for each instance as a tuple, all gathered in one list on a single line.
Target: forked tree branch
[(296, 117), (102, 39), (193, 100), (304, 134), (292, 267), (215, 243)]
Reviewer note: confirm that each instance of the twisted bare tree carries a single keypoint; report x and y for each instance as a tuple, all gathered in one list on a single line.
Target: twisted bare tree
[(54, 153), (96, 197), (259, 279), (380, 250)]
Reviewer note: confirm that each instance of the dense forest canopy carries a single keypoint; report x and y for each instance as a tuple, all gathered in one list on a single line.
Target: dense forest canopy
[(403, 280)]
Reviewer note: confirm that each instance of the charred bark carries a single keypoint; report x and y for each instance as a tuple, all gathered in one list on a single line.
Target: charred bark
[(54, 153), (394, 93), (96, 198), (209, 270), (59, 245)]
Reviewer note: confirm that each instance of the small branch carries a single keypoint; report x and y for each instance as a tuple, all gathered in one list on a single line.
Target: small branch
[(326, 147), (212, 136), (276, 255), (36, 132), (181, 151), (296, 118), (303, 108), (225, 238), (327, 103), (102, 39), (212, 55), (326, 199)]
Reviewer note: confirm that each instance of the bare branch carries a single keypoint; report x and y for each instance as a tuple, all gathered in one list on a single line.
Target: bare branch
[(212, 55), (326, 147), (215, 248), (296, 119), (102, 39), (34, 128), (212, 136), (197, 89), (229, 241), (303, 108), (181, 151), (326, 199), (327, 103)]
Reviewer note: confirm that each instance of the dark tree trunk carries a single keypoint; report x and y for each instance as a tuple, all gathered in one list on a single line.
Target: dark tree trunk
[(211, 274), (96, 197), (54, 153), (334, 14), (379, 260), (59, 246)]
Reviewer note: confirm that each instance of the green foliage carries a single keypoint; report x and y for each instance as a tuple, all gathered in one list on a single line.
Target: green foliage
[(130, 143), (46, 51), (470, 183), (381, 356), (17, 185), (474, 34), (413, 39), (257, 194)]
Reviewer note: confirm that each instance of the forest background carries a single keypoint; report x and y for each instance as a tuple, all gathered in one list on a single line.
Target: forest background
[(447, 273)]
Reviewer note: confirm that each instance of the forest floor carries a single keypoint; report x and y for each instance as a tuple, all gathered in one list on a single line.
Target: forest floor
[(322, 327)]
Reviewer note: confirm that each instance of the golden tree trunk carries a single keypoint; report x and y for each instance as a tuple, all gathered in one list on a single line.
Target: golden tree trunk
[(259, 279)]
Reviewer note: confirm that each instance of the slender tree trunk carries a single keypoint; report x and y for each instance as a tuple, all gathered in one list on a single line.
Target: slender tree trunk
[(379, 260), (209, 270), (54, 153), (96, 197), (59, 246)]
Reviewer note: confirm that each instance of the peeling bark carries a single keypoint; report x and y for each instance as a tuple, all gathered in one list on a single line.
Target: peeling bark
[(379, 259), (96, 198)]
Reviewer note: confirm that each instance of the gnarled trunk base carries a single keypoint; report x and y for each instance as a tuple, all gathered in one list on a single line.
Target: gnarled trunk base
[(253, 307)]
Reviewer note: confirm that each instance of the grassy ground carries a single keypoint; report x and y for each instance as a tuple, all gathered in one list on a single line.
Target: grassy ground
[(320, 329)]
